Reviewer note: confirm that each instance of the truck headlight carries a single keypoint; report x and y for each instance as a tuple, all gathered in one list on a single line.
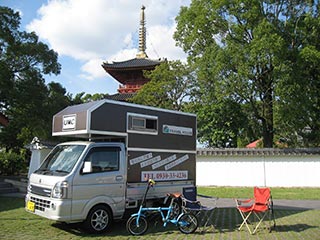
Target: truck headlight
[(60, 190), (29, 188)]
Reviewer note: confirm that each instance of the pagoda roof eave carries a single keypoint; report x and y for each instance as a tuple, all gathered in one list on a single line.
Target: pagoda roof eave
[(116, 69), (135, 63)]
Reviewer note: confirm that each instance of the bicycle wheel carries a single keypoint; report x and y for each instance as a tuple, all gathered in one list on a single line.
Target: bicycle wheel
[(188, 223), (137, 229), (176, 209)]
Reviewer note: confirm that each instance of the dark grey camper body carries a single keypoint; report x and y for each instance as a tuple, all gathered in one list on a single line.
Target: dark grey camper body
[(163, 150)]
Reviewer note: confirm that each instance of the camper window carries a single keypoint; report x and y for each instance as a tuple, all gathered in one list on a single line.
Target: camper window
[(143, 124), (138, 123)]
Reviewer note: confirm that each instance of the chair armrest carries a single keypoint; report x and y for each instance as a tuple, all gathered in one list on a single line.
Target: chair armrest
[(189, 201), (208, 197), (243, 201), (210, 200)]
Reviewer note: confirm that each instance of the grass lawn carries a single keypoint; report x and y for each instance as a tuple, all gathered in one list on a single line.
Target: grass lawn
[(16, 223)]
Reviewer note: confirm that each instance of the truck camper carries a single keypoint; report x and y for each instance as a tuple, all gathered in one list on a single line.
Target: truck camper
[(101, 176)]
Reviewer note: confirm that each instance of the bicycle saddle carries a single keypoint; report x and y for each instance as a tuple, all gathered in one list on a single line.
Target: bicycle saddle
[(174, 195)]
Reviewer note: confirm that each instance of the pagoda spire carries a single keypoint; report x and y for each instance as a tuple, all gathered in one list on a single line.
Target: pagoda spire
[(142, 36)]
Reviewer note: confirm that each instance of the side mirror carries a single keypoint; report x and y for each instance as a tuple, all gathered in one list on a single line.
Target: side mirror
[(87, 167)]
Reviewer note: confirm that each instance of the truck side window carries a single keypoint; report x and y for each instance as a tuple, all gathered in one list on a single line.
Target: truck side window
[(104, 159)]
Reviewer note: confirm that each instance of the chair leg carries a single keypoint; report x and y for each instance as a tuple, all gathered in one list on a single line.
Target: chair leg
[(245, 221), (206, 216), (272, 219), (260, 219), (209, 217)]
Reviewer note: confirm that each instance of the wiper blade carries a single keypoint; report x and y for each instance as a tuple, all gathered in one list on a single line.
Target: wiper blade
[(43, 171), (61, 171)]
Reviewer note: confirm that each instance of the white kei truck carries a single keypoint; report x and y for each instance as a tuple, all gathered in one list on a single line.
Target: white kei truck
[(102, 177)]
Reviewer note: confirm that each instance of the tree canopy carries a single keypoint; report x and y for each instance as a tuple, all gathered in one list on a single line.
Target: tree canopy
[(261, 55), (24, 97), (252, 72), (170, 86)]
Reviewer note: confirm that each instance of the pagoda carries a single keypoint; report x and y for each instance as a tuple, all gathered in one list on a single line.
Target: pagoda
[(129, 73)]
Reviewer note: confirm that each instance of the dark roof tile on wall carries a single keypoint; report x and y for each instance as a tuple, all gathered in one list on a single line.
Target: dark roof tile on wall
[(257, 152)]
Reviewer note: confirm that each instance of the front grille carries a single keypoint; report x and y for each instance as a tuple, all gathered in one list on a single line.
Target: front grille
[(40, 191), (40, 204)]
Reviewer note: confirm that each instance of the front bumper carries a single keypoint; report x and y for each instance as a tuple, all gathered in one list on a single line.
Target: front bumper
[(54, 209)]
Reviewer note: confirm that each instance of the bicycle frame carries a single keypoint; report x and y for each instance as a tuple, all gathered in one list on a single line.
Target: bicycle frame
[(165, 218), (137, 224)]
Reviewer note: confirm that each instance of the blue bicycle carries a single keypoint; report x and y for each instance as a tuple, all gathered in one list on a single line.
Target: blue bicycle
[(137, 224)]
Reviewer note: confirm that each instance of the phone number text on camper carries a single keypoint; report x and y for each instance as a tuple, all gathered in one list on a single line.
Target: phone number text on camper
[(164, 175)]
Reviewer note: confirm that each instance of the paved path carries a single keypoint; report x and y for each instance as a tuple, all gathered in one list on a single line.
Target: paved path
[(277, 204), (15, 195)]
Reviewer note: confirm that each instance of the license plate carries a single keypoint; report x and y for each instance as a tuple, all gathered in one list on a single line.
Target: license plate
[(30, 206)]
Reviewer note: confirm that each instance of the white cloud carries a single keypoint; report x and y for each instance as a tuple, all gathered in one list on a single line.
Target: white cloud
[(160, 46), (92, 69), (94, 30), (123, 54)]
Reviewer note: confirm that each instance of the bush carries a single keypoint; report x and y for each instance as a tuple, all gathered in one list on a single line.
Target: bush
[(12, 163)]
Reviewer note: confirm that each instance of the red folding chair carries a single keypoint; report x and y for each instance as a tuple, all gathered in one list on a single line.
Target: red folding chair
[(260, 206)]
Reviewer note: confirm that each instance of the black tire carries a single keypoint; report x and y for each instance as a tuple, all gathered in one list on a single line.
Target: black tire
[(135, 230), (188, 223), (98, 220)]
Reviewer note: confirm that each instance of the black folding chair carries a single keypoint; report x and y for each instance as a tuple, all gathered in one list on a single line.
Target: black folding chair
[(204, 214)]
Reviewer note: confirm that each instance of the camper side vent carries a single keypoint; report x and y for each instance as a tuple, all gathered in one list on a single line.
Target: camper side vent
[(143, 124)]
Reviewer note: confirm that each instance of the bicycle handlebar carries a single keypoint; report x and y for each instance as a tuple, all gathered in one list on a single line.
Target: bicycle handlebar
[(151, 182)]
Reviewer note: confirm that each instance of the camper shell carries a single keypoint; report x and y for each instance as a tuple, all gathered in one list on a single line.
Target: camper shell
[(160, 143)]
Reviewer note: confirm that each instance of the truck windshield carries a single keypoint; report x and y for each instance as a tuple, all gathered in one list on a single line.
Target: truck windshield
[(61, 160)]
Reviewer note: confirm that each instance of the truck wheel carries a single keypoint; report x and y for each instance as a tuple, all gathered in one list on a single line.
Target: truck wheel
[(98, 219)]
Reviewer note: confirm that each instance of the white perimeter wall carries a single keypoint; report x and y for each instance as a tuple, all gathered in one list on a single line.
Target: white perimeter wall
[(272, 171)]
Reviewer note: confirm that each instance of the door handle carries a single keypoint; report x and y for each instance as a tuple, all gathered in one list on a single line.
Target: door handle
[(119, 178)]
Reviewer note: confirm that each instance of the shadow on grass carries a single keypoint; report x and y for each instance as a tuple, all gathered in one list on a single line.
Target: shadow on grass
[(229, 219), (156, 228), (118, 228), (10, 203), (77, 230), (224, 220), (293, 228)]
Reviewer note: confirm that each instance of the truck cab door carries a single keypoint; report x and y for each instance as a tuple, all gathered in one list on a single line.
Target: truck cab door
[(100, 180)]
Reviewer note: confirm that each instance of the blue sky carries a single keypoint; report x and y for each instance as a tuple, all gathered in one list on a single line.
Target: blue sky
[(87, 33)]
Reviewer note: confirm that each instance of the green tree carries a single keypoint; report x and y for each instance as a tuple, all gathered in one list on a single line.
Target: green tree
[(220, 123), (299, 99), (83, 97), (248, 51), (24, 97), (93, 97), (170, 86)]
